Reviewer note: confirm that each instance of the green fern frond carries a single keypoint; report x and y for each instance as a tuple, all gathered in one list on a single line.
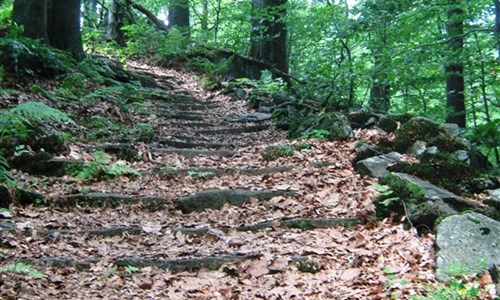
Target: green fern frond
[(5, 176), (38, 111)]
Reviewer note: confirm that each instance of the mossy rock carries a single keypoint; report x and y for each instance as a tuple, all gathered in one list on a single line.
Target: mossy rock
[(447, 143), (337, 124), (416, 129), (25, 197), (440, 170), (359, 118)]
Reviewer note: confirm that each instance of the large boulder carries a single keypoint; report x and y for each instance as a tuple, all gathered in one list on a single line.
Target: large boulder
[(467, 243), (377, 166)]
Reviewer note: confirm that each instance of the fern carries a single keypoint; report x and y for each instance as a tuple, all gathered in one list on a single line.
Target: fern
[(22, 268), (40, 112), (99, 168), (5, 176)]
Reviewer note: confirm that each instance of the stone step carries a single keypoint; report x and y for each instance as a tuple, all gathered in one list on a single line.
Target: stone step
[(221, 172), (300, 223), (196, 152), (235, 130), (215, 199), (199, 144), (175, 265)]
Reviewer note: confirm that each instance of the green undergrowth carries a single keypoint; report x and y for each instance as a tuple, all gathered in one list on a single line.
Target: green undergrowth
[(394, 195), (277, 151), (100, 168)]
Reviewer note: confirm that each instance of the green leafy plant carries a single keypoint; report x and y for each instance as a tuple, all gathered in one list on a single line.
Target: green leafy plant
[(131, 269), (200, 174), (386, 194), (304, 225), (100, 168), (17, 122), (319, 134), (5, 176), (275, 152), (22, 268), (145, 132)]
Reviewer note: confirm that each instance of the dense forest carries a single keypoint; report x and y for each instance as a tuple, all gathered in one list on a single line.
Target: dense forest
[(243, 149)]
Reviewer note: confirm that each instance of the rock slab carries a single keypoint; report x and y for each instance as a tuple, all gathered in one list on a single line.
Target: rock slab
[(467, 242)]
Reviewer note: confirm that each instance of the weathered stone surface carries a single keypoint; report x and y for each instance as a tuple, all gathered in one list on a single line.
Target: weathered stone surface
[(451, 129), (377, 166), (469, 241), (338, 125), (388, 124), (184, 265), (366, 151), (25, 197), (433, 193), (418, 148), (255, 117), (494, 201), (215, 199), (196, 152), (5, 197)]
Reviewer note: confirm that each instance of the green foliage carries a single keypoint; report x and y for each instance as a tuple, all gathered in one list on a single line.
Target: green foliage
[(5, 176), (145, 132), (19, 121), (199, 174), (26, 56), (101, 168), (277, 151), (319, 134), (394, 195), (304, 225), (485, 135), (5, 14), (131, 269), (22, 268)]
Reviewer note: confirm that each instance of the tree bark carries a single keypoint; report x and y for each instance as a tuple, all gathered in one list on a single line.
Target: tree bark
[(269, 33), (151, 16), (115, 23), (497, 26), (178, 15), (32, 14), (455, 86)]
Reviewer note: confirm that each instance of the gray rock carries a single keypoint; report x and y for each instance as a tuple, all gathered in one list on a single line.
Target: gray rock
[(338, 126), (461, 155), (451, 129), (365, 151), (469, 242), (418, 148), (433, 150), (432, 192), (494, 201), (377, 166), (255, 117)]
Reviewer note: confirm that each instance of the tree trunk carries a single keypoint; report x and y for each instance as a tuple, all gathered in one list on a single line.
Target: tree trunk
[(90, 16), (151, 16), (32, 14), (497, 26), (269, 33), (455, 86), (204, 15), (115, 23), (178, 15)]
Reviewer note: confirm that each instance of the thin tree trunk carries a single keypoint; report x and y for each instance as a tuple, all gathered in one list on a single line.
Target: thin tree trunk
[(115, 23), (204, 15), (217, 20), (497, 26), (455, 86), (269, 33)]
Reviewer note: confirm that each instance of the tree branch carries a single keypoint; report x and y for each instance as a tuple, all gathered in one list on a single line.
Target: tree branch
[(158, 23)]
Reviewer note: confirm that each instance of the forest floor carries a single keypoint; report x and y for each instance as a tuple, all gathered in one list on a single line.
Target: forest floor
[(314, 237)]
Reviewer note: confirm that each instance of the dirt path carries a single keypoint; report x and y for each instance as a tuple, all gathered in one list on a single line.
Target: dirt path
[(210, 218)]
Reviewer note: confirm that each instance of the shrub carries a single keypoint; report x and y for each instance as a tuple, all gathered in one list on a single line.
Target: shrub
[(100, 168)]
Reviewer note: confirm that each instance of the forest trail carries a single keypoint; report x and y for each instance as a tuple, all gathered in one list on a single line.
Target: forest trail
[(300, 227)]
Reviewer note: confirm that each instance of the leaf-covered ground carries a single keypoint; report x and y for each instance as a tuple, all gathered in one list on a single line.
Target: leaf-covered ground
[(286, 247)]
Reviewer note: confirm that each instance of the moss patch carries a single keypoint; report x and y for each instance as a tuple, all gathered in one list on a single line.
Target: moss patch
[(416, 129)]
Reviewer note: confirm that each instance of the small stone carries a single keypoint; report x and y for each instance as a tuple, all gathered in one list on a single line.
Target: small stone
[(418, 148)]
